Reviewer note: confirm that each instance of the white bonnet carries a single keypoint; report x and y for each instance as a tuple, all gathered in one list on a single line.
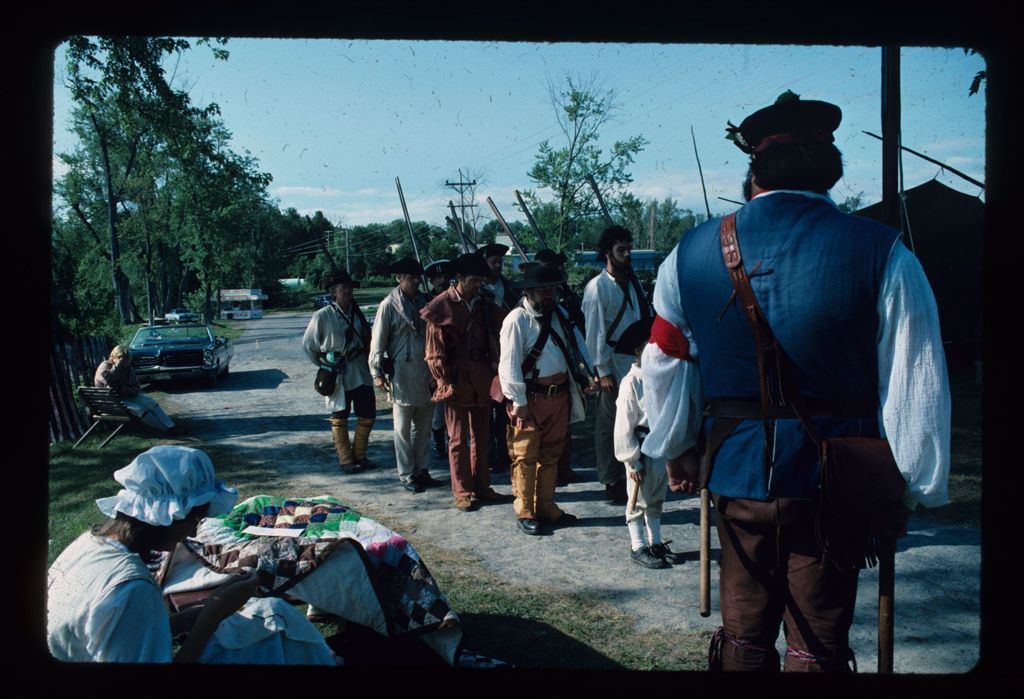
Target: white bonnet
[(164, 483)]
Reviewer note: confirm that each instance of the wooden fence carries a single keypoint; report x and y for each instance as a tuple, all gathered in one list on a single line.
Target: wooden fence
[(72, 364)]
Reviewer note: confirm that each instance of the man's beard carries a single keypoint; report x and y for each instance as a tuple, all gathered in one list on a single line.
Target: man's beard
[(621, 267), (747, 185)]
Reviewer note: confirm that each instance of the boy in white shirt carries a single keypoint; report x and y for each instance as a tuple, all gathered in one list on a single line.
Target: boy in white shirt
[(644, 474)]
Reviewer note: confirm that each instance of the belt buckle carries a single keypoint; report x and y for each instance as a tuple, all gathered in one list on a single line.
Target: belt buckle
[(552, 389)]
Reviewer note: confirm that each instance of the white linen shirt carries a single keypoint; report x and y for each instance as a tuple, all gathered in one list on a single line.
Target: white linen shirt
[(326, 333), (392, 334), (518, 335), (913, 386), (602, 299)]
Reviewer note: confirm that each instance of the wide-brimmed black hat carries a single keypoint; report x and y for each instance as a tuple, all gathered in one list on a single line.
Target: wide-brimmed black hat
[(635, 336), (550, 257), (470, 264), (342, 277), (492, 249), (437, 267), (406, 265), (540, 275), (789, 120)]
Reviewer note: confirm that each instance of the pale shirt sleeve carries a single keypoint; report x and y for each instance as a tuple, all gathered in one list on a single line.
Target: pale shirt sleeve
[(130, 625), (380, 335), (913, 385), (594, 319), (311, 339), (673, 391), (627, 416), (510, 362)]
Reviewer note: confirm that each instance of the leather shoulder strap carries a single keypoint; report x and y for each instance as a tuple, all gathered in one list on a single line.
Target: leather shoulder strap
[(776, 384)]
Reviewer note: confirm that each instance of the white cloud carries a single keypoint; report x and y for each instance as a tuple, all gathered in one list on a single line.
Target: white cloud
[(60, 168)]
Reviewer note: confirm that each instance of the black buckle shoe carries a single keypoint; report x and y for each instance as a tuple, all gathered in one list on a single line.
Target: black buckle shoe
[(351, 468), (426, 480), (365, 464), (566, 520), (529, 526), (616, 492), (647, 559), (666, 554), (413, 486)]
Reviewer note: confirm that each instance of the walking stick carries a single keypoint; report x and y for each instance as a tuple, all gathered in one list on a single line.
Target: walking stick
[(631, 505), (886, 598), (705, 553)]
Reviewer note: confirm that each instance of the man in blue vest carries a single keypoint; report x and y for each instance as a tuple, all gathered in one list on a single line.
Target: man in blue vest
[(853, 311)]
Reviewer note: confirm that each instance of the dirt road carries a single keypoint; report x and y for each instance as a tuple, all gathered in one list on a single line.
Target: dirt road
[(266, 409)]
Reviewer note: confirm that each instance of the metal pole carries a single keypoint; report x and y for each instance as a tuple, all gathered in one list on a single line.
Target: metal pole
[(347, 267), (700, 171), (891, 134)]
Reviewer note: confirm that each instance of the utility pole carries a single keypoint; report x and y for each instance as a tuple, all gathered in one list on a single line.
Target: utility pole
[(650, 225), (460, 187), (347, 267)]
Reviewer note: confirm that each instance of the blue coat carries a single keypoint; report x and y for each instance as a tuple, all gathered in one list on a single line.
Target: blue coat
[(818, 283)]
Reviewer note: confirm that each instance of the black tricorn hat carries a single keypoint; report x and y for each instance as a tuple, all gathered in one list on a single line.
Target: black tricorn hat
[(789, 120), (492, 249), (470, 264), (540, 275), (341, 277), (437, 267), (406, 265), (550, 257), (636, 335)]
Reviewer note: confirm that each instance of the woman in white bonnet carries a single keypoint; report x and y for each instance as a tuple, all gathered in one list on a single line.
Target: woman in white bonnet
[(104, 605)]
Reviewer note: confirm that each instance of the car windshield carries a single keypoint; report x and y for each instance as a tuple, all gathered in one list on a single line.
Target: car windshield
[(164, 334)]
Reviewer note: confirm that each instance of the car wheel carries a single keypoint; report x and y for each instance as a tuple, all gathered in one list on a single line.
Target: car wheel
[(227, 367), (212, 378)]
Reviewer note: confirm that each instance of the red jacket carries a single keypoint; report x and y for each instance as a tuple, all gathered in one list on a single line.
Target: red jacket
[(462, 347)]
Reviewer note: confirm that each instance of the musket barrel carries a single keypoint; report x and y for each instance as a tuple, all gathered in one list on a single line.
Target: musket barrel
[(508, 231)]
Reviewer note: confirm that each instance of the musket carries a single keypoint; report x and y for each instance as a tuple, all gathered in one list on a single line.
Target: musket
[(412, 235), (886, 594), (732, 201), (705, 553), (508, 231), (700, 171), (533, 224), (600, 200), (933, 160), (467, 244)]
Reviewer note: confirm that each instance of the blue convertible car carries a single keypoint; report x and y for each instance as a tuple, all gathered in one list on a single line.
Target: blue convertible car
[(164, 352)]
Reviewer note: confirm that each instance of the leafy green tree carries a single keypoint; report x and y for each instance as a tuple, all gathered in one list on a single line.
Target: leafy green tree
[(581, 108), (123, 100)]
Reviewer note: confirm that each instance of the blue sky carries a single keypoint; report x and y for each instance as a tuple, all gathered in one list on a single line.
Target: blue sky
[(335, 121)]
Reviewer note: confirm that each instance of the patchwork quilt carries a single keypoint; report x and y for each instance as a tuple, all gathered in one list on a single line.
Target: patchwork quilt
[(408, 594)]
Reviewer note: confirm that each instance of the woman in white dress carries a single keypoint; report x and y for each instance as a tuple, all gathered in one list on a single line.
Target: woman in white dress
[(104, 605)]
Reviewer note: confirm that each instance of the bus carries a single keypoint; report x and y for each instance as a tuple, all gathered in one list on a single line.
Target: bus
[(241, 304)]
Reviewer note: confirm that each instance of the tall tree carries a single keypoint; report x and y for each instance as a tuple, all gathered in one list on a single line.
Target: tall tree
[(582, 108), (122, 99)]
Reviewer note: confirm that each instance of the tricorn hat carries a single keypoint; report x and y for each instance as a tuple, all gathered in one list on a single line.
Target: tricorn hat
[(550, 257), (537, 276), (635, 336), (406, 265), (492, 249), (470, 264), (341, 277), (437, 267), (789, 120)]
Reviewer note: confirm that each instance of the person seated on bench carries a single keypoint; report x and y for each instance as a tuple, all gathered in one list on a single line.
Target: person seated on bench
[(116, 373), (104, 605)]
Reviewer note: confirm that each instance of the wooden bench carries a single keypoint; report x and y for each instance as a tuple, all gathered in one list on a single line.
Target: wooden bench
[(104, 406)]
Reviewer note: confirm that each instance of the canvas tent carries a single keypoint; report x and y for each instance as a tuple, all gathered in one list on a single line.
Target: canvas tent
[(946, 232)]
